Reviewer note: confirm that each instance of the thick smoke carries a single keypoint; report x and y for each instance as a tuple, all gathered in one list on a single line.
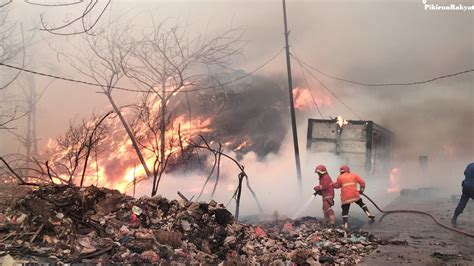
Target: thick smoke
[(367, 41), (252, 115)]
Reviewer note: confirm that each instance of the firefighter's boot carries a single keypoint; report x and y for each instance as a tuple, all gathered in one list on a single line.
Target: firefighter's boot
[(326, 217), (454, 221), (345, 222), (366, 210)]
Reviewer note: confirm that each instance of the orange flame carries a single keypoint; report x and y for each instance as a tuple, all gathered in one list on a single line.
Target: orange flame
[(394, 186), (303, 98), (117, 165)]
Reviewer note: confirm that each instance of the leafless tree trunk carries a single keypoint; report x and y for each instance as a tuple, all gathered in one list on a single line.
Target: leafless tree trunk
[(239, 193), (130, 133), (168, 60), (102, 61), (10, 45), (12, 49), (162, 61)]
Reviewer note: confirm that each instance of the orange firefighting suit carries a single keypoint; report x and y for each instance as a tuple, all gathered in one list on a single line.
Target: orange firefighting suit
[(348, 181), (348, 184)]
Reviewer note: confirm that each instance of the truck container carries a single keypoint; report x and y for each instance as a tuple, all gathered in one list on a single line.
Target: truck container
[(363, 145)]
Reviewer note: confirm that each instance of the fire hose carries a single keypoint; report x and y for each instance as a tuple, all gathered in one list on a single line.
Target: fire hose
[(417, 212)]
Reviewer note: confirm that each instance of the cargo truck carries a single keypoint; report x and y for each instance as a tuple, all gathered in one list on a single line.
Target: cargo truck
[(363, 145)]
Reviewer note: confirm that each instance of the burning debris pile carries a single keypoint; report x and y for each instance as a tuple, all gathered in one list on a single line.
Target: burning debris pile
[(71, 224)]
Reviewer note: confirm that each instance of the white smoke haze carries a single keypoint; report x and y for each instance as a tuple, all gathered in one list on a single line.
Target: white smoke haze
[(367, 41), (274, 181)]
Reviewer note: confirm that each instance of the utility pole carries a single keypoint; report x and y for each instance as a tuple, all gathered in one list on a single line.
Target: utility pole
[(292, 104)]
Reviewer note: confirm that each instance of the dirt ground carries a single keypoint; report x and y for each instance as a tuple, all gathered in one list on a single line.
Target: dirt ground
[(416, 239)]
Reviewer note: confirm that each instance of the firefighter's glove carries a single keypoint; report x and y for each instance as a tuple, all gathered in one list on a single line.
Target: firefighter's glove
[(361, 190)]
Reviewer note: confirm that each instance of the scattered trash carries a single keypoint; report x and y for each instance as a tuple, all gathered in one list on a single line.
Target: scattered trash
[(136, 210), (259, 232), (355, 239), (66, 224), (288, 227)]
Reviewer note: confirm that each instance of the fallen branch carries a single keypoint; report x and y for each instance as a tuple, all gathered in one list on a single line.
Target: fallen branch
[(36, 233), (8, 236), (93, 254), (182, 196)]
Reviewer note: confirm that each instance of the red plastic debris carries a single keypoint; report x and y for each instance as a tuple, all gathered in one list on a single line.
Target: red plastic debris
[(315, 238), (150, 256), (259, 232), (134, 221), (288, 227)]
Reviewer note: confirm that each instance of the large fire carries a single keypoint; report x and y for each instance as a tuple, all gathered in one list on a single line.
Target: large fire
[(304, 98), (116, 164)]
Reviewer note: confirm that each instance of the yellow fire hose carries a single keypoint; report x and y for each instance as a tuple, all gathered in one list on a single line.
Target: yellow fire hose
[(417, 212)]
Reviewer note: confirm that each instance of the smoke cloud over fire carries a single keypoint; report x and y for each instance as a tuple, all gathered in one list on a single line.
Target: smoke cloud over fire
[(250, 118)]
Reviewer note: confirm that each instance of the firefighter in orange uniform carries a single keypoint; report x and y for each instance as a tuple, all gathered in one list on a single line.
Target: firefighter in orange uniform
[(347, 182), (326, 190)]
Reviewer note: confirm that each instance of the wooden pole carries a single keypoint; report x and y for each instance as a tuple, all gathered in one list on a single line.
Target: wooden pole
[(292, 105)]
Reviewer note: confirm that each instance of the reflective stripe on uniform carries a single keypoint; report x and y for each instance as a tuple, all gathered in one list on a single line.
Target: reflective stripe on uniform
[(328, 197), (347, 201), (348, 184)]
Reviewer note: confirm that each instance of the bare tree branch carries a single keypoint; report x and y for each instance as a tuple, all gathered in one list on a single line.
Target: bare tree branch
[(68, 27), (241, 175), (7, 2)]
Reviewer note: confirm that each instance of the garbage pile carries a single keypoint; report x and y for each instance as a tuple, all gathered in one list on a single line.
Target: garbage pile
[(9, 193), (96, 225)]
